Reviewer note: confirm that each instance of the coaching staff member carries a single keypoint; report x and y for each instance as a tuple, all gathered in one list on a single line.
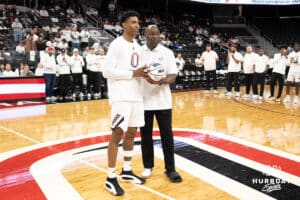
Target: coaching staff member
[(158, 103)]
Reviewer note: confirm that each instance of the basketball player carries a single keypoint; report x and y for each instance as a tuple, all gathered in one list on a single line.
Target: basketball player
[(125, 91), (294, 74), (209, 59), (158, 103), (280, 62), (260, 68), (234, 60), (248, 66)]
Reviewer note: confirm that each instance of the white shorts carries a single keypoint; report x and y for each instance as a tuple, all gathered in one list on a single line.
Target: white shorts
[(127, 114), (293, 77)]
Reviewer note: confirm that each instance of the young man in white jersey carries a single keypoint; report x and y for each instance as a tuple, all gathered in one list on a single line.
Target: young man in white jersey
[(248, 67), (64, 79), (158, 103), (260, 68), (234, 60), (293, 75), (122, 68), (209, 59), (280, 62)]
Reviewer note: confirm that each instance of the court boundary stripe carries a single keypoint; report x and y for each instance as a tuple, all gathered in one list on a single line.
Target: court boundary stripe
[(55, 142)]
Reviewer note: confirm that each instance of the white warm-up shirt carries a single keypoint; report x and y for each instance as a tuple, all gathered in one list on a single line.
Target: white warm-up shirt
[(249, 62), (63, 64), (91, 62), (76, 63), (210, 59), (295, 65), (232, 65), (158, 97), (49, 63), (261, 63), (279, 63), (122, 58), (100, 62)]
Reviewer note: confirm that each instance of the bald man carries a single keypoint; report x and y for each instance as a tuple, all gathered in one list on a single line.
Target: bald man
[(158, 103)]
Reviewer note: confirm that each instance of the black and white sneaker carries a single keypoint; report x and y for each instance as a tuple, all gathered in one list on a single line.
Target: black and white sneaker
[(129, 176), (112, 185)]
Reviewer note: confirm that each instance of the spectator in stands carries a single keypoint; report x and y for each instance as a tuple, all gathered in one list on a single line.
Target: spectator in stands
[(75, 35), (70, 11), (41, 43), (29, 44), (64, 79), (63, 44), (19, 70), (234, 60), (35, 12), (112, 8), (280, 61), (2, 68), (43, 12), (17, 30), (180, 60), (39, 71), (293, 75), (260, 68), (93, 73), (3, 47), (84, 36), (76, 63), (8, 72), (27, 21), (49, 68), (55, 28), (199, 42), (198, 62), (209, 59), (26, 71), (248, 67)]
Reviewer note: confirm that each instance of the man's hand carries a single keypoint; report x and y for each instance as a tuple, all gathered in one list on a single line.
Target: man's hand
[(141, 72), (149, 80)]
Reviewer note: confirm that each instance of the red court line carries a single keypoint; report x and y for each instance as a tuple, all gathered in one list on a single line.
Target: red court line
[(23, 81), (16, 96), (16, 182)]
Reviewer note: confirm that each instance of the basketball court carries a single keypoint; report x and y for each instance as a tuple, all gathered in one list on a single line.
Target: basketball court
[(226, 148)]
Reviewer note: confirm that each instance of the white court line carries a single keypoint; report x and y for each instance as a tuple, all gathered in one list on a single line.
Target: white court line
[(20, 134), (90, 164)]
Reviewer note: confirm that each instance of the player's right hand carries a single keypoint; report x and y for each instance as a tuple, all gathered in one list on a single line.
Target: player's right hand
[(141, 72)]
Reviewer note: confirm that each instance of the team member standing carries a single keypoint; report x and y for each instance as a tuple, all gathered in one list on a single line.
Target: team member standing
[(49, 66), (260, 68), (234, 60), (209, 59), (103, 83), (93, 73), (248, 66), (294, 74), (64, 80), (158, 103), (76, 63), (280, 62), (125, 91)]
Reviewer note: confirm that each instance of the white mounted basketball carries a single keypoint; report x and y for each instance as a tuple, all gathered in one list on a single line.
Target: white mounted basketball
[(157, 72)]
